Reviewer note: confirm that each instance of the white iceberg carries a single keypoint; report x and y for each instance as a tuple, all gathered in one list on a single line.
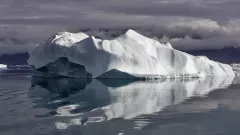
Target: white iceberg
[(129, 55), (2, 66)]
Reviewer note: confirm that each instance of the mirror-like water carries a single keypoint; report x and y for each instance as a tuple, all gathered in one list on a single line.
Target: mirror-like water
[(112, 107)]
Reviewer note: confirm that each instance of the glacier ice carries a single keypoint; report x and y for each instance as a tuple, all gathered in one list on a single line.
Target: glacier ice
[(129, 55)]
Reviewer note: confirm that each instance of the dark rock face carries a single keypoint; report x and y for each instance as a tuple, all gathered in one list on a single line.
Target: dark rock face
[(63, 68)]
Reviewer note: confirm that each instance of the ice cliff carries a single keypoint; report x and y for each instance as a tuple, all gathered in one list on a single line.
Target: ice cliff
[(130, 55)]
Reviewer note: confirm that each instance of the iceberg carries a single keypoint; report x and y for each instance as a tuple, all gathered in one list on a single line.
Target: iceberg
[(2, 66), (130, 55)]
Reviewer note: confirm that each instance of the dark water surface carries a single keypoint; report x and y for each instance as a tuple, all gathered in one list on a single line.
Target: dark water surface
[(61, 106)]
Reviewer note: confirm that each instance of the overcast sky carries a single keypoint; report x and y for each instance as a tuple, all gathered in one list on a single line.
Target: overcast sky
[(187, 24)]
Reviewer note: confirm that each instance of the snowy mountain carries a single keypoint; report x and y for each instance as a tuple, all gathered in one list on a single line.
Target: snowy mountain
[(130, 55)]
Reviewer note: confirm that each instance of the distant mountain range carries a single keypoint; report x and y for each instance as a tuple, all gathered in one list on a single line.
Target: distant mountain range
[(14, 59), (225, 55)]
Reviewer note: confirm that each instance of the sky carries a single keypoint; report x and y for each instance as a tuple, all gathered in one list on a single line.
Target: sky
[(186, 24)]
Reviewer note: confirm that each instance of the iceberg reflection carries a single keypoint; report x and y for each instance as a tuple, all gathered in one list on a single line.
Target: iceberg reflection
[(103, 100)]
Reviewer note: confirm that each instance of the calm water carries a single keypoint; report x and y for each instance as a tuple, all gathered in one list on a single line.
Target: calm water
[(60, 106)]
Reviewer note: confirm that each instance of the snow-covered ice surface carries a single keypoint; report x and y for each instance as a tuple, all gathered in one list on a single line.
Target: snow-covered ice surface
[(125, 100), (129, 55)]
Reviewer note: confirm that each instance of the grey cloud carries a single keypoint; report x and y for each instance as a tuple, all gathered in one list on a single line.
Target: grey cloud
[(182, 9), (196, 23)]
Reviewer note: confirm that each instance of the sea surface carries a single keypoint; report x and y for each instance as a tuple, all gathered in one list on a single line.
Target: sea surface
[(71, 106)]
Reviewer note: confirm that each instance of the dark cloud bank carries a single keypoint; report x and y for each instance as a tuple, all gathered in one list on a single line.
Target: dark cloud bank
[(188, 25)]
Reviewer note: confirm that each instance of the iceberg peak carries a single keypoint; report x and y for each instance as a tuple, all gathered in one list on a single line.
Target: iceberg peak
[(131, 32), (68, 38), (168, 45), (133, 35)]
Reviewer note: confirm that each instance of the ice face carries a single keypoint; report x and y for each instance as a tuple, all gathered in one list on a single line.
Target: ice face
[(131, 54)]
